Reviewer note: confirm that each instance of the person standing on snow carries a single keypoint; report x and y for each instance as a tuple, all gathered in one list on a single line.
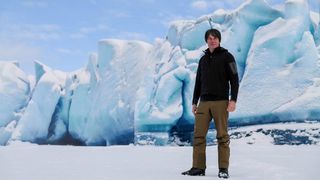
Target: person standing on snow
[(217, 70)]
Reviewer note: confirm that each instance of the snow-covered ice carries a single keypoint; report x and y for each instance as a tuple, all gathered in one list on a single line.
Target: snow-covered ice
[(248, 161)]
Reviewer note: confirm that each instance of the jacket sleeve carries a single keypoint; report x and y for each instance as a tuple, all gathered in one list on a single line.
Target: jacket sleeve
[(197, 86), (233, 77)]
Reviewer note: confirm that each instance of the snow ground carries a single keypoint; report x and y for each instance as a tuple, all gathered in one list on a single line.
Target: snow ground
[(20, 161)]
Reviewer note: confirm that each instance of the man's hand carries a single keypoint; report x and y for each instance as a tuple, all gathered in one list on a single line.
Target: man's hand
[(194, 109), (231, 106)]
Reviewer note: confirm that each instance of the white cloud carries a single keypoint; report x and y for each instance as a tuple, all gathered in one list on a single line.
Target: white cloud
[(200, 5), (78, 35), (166, 22), (65, 51), (21, 52), (31, 31), (103, 27), (85, 31), (94, 2), (147, 1), (39, 36), (92, 29), (17, 42), (34, 4), (132, 36), (118, 14), (18, 51)]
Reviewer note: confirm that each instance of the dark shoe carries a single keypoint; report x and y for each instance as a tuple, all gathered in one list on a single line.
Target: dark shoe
[(223, 173), (195, 172)]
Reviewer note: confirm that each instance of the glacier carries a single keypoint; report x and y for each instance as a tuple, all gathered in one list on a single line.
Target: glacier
[(14, 95), (132, 91), (34, 124)]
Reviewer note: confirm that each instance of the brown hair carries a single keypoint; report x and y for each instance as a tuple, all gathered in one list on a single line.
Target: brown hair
[(213, 32)]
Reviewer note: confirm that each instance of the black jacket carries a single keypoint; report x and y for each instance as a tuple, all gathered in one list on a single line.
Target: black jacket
[(215, 71)]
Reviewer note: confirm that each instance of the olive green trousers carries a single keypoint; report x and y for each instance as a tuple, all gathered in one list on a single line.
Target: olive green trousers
[(205, 112)]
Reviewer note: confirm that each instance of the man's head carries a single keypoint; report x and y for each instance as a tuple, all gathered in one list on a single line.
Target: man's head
[(213, 38)]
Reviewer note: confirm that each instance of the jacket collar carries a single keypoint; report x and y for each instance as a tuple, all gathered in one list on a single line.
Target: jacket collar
[(216, 50)]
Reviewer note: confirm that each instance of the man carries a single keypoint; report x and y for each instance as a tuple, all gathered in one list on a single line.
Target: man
[(216, 70)]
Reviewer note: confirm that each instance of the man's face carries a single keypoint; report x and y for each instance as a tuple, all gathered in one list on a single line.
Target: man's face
[(213, 42)]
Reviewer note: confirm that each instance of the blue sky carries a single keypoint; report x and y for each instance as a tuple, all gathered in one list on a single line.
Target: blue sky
[(63, 33)]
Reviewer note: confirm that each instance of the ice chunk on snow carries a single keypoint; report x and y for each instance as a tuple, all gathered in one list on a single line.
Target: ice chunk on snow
[(34, 124)]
